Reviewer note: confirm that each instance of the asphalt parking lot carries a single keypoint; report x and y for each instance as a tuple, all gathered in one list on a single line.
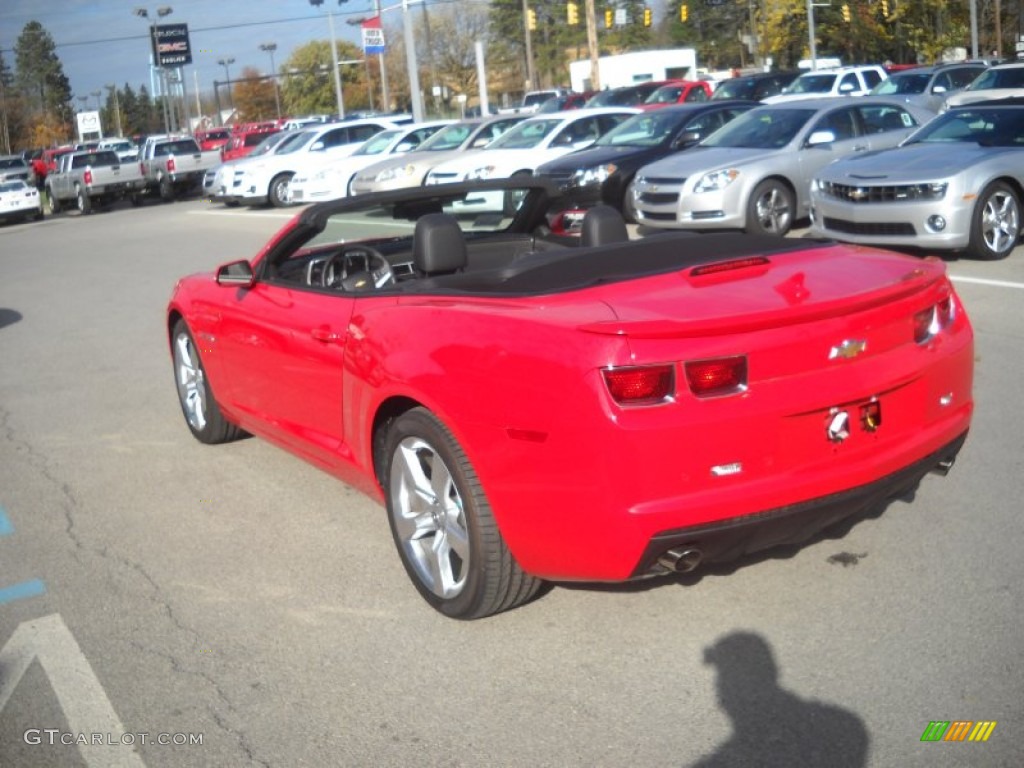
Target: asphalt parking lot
[(155, 589)]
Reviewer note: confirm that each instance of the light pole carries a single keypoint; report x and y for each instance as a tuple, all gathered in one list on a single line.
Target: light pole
[(117, 109), (270, 48), (411, 65), (142, 13), (334, 56), (226, 63)]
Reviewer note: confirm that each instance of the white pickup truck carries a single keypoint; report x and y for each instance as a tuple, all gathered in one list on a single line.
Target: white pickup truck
[(92, 178), (173, 165)]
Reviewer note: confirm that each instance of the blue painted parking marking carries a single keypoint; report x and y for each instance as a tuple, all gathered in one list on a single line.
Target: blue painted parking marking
[(21, 591), (25, 589)]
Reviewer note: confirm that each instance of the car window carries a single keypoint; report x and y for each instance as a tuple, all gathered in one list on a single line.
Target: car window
[(362, 132), (585, 129), (878, 118), (667, 94), (377, 144), (706, 124), (871, 78), (960, 78), (849, 82), (985, 126), (840, 121), (696, 94), (608, 122), (812, 83)]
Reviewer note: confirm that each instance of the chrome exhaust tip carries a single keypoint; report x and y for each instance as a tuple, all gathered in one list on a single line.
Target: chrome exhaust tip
[(681, 559), (943, 467)]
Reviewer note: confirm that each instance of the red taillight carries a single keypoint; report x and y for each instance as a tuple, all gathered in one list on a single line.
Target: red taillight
[(142, 168), (170, 165), (87, 177), (929, 322), (642, 385), (720, 376)]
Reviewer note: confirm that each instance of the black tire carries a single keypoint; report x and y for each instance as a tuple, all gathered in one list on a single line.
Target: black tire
[(480, 581), (52, 202), (166, 189), (38, 215), (995, 223), (277, 193), (198, 404), (770, 209), (82, 201), (231, 203), (626, 206)]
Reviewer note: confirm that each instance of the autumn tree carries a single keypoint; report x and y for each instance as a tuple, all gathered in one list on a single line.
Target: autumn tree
[(253, 96), (307, 85)]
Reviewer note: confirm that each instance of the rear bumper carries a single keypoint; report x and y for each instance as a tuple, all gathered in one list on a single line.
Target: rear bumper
[(793, 524)]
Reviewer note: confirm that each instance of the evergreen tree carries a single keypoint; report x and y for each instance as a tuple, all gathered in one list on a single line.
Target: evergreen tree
[(40, 75)]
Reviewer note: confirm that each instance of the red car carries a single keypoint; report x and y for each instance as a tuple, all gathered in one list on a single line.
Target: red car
[(243, 142), (533, 407), (677, 92), (213, 138)]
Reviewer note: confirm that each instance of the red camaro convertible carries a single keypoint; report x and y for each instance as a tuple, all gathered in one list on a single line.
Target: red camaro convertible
[(533, 405)]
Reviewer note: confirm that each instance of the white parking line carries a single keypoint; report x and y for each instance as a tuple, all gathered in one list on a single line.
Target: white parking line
[(82, 698), (986, 281)]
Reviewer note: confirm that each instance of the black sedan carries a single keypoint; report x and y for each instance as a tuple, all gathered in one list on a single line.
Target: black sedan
[(604, 171)]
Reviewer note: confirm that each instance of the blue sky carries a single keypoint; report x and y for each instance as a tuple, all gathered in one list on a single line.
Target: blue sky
[(103, 41)]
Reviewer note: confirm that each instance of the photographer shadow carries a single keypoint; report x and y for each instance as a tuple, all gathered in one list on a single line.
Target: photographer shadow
[(773, 728)]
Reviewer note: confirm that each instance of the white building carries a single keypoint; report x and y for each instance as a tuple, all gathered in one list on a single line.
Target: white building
[(638, 67)]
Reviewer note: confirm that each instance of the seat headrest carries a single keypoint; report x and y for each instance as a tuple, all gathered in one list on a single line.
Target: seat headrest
[(438, 246), (602, 225)]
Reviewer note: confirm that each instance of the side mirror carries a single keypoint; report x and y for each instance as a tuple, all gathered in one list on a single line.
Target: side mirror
[(405, 146), (582, 144), (939, 89), (236, 273), (481, 141), (318, 146), (818, 138), (846, 88), (686, 139)]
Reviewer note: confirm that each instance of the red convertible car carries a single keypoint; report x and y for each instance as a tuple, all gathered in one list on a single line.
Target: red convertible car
[(533, 406)]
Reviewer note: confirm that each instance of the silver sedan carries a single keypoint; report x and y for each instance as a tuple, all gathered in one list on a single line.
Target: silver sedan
[(755, 172), (954, 185)]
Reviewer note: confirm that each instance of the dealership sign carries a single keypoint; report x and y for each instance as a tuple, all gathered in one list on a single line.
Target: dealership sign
[(170, 45)]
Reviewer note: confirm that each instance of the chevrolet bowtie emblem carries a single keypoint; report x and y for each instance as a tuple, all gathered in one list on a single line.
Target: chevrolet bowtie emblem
[(850, 348)]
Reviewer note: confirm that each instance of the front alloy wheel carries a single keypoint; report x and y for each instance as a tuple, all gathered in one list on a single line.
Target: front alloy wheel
[(201, 411), (995, 226), (442, 523), (770, 209)]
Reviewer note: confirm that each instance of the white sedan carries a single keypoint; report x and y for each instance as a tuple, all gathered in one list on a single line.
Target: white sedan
[(531, 143), (19, 201), (332, 181)]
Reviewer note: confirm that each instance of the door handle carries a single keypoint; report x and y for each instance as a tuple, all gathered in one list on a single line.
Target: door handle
[(325, 335)]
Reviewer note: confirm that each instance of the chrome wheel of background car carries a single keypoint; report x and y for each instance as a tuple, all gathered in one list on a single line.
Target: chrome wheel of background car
[(166, 189), (995, 226), (514, 197), (442, 523), (52, 202), (770, 210), (279, 193), (202, 414)]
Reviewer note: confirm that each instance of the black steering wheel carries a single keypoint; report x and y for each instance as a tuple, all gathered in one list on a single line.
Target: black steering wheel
[(357, 268)]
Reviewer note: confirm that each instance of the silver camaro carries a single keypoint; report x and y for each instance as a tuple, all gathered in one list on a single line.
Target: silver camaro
[(956, 184), (755, 172)]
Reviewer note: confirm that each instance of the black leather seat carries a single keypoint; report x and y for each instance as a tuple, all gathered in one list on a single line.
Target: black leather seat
[(603, 225), (438, 247)]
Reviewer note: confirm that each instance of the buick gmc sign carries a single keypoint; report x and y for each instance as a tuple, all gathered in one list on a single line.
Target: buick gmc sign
[(170, 45)]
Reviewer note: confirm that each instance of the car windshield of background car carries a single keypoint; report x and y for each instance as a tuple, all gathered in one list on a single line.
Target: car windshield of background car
[(986, 127), (525, 135), (736, 88), (902, 84), (811, 84), (12, 186), (647, 130), (1012, 77), (667, 94), (379, 143), (299, 141), (761, 129), (449, 137)]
